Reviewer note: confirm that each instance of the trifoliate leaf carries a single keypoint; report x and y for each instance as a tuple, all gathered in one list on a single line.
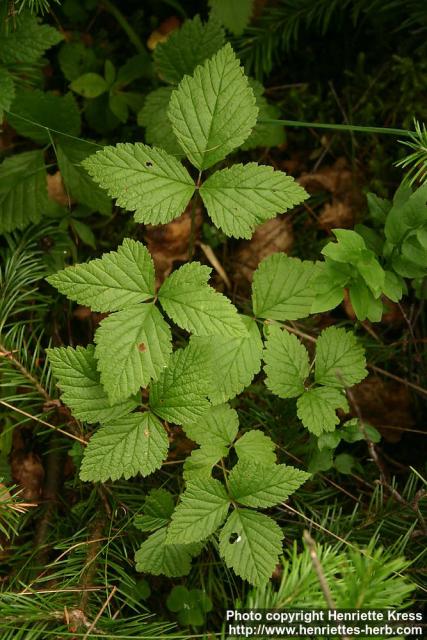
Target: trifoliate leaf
[(59, 113), (201, 461), (78, 183), (158, 508), (260, 485), (213, 111), (250, 543), (180, 394), (81, 388), (118, 280), (195, 306), (7, 91), (316, 408), (153, 116), (218, 427), (23, 190), (203, 508), (146, 180), (134, 444), (282, 288), (287, 364), (340, 359), (186, 48), (255, 445), (132, 347), (243, 196), (233, 14), (158, 558), (27, 39), (234, 361)]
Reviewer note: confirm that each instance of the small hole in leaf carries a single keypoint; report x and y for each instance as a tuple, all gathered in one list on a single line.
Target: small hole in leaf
[(234, 538), (142, 347), (148, 164)]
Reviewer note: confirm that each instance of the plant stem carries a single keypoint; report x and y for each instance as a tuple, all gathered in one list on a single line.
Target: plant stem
[(349, 128), (123, 22)]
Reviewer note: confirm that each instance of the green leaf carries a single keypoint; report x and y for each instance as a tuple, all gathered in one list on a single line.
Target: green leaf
[(234, 361), (186, 48), (364, 303), (287, 364), (213, 112), (132, 347), (27, 40), (49, 111), (200, 462), (75, 59), (153, 116), (282, 288), (409, 211), (195, 306), (180, 394), (250, 543), (328, 285), (7, 91), (340, 359), (264, 485), (158, 508), (119, 106), (316, 408), (158, 558), (143, 179), (217, 428), (138, 66), (378, 208), (78, 183), (234, 14), (118, 280), (264, 134), (23, 190), (352, 431), (243, 196), (89, 85), (80, 385), (134, 444), (254, 445), (347, 249), (203, 508), (84, 232)]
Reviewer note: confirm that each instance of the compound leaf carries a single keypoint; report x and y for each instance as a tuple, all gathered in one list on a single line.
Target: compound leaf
[(316, 408), (195, 306), (134, 444), (287, 364), (243, 196), (340, 359), (146, 180), (118, 280), (282, 288), (213, 111), (200, 462), (132, 347), (203, 508), (80, 385), (23, 190), (180, 394), (264, 485), (186, 48), (250, 543)]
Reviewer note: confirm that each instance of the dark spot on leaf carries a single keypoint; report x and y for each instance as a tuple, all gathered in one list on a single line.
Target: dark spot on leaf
[(148, 164), (142, 347), (232, 539)]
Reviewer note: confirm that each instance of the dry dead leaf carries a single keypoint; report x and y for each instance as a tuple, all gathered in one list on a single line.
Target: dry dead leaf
[(272, 236), (347, 198), (56, 190), (170, 242), (28, 472), (386, 405)]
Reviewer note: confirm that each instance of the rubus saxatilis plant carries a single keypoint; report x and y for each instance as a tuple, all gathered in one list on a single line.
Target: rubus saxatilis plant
[(211, 113)]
